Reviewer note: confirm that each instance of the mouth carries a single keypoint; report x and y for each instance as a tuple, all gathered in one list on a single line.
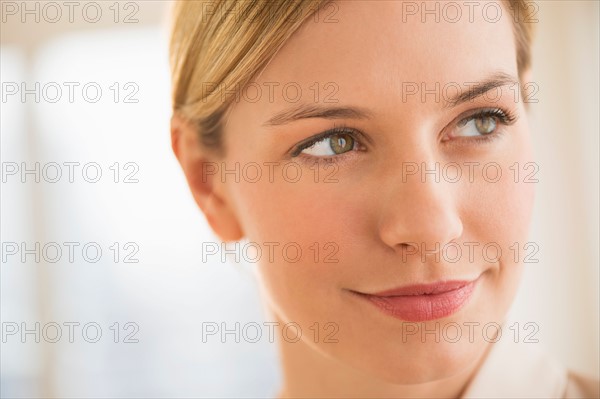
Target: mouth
[(423, 302)]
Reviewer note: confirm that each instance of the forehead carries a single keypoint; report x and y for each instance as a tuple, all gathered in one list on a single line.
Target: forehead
[(383, 44)]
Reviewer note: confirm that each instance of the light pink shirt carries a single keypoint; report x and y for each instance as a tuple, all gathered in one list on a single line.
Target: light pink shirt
[(520, 370)]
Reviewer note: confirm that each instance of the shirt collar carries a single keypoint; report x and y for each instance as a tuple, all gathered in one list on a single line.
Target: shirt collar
[(517, 370)]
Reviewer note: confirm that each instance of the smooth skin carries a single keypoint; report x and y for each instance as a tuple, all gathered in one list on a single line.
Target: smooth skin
[(379, 220)]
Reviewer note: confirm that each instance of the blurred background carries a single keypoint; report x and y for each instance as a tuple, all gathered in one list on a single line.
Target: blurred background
[(88, 177)]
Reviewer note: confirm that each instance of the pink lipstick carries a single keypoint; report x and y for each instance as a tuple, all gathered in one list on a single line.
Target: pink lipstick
[(423, 301)]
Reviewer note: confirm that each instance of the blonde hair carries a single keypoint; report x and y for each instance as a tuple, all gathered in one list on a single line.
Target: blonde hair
[(225, 44)]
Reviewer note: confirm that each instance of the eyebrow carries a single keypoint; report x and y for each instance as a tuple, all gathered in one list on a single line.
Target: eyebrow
[(305, 111), (480, 88)]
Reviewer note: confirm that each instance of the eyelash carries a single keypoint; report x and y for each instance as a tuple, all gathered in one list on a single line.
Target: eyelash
[(504, 117), (322, 136)]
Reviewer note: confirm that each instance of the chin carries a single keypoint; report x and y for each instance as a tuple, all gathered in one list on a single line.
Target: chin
[(434, 362), (386, 358)]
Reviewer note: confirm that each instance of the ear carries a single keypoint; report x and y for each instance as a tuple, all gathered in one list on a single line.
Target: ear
[(207, 189)]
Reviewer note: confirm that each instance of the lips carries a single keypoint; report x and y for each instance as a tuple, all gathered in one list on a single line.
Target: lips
[(423, 302), (424, 289)]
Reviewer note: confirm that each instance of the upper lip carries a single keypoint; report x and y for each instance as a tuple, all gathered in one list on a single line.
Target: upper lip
[(424, 289)]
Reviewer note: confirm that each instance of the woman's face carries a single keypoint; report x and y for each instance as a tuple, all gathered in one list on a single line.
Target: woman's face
[(409, 177)]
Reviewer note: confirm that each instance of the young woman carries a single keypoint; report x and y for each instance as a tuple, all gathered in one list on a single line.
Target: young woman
[(368, 150)]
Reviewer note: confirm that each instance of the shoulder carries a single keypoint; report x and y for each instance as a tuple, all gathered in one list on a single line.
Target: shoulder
[(581, 386)]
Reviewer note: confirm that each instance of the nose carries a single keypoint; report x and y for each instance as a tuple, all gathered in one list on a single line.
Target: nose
[(420, 211)]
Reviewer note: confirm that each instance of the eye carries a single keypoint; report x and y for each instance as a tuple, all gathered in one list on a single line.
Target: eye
[(482, 123), (335, 144), (328, 144), (478, 126)]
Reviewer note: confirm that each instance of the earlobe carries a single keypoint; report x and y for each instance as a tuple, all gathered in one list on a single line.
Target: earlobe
[(222, 220), (205, 187)]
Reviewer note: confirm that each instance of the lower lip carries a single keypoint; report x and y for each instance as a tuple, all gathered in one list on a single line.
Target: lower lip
[(423, 307)]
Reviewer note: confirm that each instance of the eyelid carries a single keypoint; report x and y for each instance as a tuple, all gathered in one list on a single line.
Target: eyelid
[(505, 116)]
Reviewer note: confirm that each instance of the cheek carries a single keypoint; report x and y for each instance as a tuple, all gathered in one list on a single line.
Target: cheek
[(503, 201), (305, 224), (497, 212)]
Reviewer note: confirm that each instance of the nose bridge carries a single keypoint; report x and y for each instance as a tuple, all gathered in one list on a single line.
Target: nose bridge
[(420, 209)]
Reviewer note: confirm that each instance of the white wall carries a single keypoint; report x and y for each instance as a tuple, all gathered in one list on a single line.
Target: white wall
[(561, 292)]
